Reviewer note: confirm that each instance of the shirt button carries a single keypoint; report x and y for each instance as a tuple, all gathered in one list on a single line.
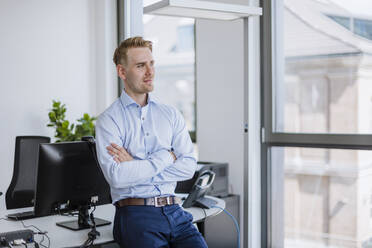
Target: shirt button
[(143, 118), (147, 134)]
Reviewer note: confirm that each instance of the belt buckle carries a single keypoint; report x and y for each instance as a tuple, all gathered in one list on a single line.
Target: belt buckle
[(157, 204), (160, 203)]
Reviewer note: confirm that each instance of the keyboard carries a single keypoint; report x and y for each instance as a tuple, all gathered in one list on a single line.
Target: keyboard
[(22, 215)]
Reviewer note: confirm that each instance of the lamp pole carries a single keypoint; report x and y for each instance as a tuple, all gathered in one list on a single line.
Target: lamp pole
[(252, 132)]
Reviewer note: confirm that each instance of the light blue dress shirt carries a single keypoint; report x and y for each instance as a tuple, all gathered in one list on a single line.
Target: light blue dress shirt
[(148, 133)]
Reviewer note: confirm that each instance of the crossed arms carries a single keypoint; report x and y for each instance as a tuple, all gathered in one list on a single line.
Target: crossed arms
[(121, 169)]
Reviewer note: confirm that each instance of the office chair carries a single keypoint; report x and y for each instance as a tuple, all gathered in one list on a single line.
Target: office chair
[(21, 190)]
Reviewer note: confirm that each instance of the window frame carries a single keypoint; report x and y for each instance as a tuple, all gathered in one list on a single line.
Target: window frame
[(271, 67)]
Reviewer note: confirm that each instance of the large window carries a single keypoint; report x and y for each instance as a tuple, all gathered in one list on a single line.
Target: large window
[(317, 147), (327, 196), (326, 86), (174, 53)]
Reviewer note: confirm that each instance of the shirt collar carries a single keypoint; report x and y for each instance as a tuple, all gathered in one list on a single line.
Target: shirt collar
[(127, 100), (150, 98)]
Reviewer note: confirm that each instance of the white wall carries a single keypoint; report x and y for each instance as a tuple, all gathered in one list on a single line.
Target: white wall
[(58, 49)]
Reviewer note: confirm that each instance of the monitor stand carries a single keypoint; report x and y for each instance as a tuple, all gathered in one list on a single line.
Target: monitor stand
[(83, 222)]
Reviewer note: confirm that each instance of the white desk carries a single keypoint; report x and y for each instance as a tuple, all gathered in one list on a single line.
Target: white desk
[(62, 237)]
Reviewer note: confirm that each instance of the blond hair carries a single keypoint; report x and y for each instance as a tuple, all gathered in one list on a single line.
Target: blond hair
[(121, 53)]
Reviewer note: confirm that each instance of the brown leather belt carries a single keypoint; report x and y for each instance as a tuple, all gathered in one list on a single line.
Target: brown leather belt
[(153, 201)]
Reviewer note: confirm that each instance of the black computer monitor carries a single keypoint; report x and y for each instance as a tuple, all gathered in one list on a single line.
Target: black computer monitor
[(69, 179)]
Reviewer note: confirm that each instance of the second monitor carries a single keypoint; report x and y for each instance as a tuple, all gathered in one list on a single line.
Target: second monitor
[(69, 179)]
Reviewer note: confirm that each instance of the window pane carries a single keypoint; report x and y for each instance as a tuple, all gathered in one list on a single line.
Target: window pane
[(327, 200), (363, 28), (326, 83), (344, 21), (174, 54)]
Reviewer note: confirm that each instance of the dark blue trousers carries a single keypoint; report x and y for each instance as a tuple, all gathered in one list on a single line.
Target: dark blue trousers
[(155, 227)]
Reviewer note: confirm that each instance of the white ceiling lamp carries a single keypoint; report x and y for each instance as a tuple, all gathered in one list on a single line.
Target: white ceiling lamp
[(220, 11), (201, 9)]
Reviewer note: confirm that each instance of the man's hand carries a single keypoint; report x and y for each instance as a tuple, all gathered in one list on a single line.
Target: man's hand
[(119, 153)]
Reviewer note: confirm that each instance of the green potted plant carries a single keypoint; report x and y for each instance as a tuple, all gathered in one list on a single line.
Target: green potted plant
[(64, 131)]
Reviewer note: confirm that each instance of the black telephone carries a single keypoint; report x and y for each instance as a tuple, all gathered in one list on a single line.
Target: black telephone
[(200, 188)]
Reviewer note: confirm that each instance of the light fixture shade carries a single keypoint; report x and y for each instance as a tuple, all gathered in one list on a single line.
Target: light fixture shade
[(201, 9)]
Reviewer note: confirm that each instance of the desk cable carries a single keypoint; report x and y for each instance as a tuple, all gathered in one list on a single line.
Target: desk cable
[(6, 243), (92, 235), (235, 222), (205, 214), (39, 232)]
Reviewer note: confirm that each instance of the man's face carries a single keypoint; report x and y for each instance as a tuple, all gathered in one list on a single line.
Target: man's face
[(139, 72)]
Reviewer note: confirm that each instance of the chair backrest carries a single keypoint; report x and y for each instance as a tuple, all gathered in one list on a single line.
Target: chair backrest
[(21, 190)]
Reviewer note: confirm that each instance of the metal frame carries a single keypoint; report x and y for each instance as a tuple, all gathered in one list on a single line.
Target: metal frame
[(246, 135), (251, 125), (129, 15), (252, 137), (193, 134), (266, 77), (271, 67)]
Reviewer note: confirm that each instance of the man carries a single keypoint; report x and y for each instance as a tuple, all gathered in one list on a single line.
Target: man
[(144, 149)]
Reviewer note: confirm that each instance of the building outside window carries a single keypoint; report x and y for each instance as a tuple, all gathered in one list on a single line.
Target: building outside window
[(319, 126)]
